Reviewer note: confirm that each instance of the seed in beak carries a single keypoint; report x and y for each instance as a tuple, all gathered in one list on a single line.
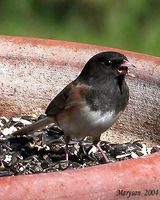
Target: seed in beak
[(123, 68)]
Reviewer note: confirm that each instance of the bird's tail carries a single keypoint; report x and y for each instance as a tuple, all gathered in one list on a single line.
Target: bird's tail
[(35, 126)]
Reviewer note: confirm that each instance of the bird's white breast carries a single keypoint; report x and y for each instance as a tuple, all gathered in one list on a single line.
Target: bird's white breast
[(88, 123), (97, 119)]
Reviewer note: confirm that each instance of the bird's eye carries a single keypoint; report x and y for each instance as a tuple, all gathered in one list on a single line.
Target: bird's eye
[(107, 62)]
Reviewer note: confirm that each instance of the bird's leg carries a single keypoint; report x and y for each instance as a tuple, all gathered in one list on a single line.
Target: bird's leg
[(67, 139), (96, 143), (102, 152)]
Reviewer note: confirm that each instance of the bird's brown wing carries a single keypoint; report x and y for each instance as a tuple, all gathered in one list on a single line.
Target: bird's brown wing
[(73, 94), (59, 102)]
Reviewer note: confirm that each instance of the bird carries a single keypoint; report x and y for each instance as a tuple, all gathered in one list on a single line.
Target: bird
[(90, 104)]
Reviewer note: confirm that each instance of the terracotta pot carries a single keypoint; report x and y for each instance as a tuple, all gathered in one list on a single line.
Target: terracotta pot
[(32, 72)]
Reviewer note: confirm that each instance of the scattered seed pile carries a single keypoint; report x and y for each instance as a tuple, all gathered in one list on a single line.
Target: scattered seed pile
[(44, 150)]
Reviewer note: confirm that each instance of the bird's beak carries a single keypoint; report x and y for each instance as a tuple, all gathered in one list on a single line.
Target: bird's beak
[(124, 68)]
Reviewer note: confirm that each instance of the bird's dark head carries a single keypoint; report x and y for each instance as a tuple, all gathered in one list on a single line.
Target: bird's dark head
[(107, 63)]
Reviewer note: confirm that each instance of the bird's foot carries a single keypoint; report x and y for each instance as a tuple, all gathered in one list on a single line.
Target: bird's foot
[(102, 152)]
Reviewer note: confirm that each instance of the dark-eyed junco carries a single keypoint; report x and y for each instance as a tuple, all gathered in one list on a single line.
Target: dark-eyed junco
[(92, 102)]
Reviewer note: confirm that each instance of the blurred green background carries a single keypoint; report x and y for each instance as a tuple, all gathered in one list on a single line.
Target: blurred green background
[(127, 24)]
